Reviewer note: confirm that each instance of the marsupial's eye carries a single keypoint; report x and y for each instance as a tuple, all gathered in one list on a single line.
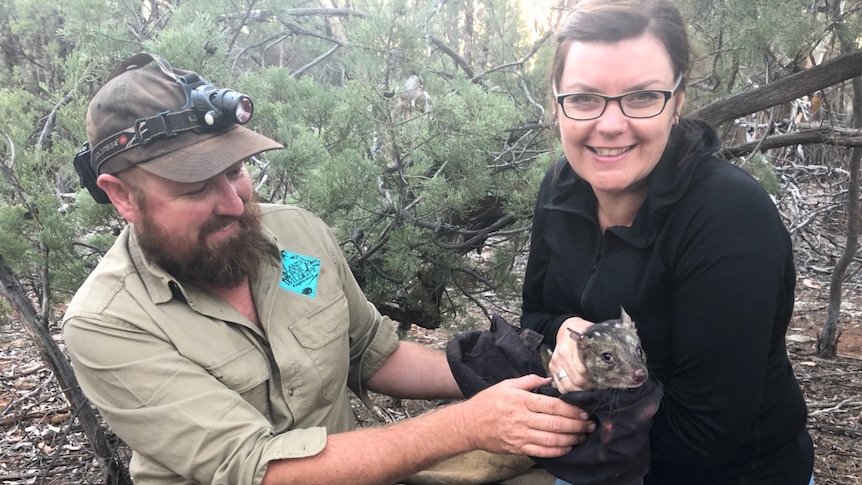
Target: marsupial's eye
[(608, 357), (640, 352)]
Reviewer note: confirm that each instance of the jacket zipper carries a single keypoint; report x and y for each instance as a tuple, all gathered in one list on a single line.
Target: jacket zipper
[(593, 272)]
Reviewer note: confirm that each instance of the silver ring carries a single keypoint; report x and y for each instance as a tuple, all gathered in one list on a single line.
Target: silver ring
[(562, 374)]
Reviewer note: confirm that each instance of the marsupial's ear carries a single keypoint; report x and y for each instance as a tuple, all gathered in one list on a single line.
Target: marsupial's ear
[(576, 336), (626, 318)]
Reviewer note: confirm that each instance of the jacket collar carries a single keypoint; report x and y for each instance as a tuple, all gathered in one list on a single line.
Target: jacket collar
[(691, 144)]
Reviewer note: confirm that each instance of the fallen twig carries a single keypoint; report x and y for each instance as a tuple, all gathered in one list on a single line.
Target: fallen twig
[(847, 403)]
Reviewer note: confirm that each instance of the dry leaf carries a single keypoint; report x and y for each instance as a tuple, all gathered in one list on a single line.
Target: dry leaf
[(800, 338), (811, 284), (26, 383)]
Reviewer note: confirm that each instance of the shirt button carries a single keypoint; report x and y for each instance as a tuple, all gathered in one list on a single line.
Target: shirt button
[(290, 392)]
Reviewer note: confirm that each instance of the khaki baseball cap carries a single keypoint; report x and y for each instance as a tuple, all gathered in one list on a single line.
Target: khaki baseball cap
[(144, 91)]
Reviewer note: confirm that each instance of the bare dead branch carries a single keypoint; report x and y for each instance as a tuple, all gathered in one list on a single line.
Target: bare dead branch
[(850, 432), (456, 230), (470, 297), (6, 170), (45, 281), (268, 42), (540, 109), (782, 90), (841, 406), (296, 29), (51, 120), (4, 420), (381, 242), (845, 137), (323, 12), (473, 238), (243, 22), (266, 15), (299, 72), (536, 46), (440, 44)]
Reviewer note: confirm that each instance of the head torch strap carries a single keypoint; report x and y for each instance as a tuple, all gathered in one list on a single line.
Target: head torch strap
[(141, 60), (163, 125), (189, 81)]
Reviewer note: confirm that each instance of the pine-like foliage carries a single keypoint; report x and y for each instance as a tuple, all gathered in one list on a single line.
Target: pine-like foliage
[(418, 130)]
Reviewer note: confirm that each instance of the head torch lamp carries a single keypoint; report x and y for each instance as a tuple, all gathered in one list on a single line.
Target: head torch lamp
[(215, 107)]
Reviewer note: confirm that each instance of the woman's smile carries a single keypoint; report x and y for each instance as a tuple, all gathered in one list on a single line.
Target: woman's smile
[(610, 152)]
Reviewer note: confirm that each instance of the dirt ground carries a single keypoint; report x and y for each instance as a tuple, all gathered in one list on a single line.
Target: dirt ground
[(40, 443), (833, 388)]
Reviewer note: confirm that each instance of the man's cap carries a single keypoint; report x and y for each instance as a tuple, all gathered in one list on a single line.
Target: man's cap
[(144, 91)]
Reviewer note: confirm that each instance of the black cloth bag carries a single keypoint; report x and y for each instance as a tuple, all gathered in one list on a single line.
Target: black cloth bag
[(616, 453)]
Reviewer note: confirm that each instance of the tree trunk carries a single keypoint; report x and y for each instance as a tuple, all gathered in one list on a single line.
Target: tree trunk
[(113, 468), (827, 340)]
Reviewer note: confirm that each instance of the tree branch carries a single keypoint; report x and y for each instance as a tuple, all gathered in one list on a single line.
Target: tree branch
[(521, 62), (10, 176), (440, 44), (299, 72), (845, 137), (266, 15), (783, 90), (470, 296), (50, 122), (238, 29)]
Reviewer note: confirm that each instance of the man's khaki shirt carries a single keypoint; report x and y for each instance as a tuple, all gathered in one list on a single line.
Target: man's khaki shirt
[(197, 390)]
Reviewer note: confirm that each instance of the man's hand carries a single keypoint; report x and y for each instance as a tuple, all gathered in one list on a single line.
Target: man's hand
[(504, 418), (565, 366), (509, 418)]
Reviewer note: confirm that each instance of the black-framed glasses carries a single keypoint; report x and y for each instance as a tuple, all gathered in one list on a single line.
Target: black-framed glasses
[(645, 103)]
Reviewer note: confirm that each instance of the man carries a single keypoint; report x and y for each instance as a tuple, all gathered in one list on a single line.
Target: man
[(219, 336)]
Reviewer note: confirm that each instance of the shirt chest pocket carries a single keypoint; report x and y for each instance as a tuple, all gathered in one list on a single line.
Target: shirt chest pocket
[(322, 333), (247, 373)]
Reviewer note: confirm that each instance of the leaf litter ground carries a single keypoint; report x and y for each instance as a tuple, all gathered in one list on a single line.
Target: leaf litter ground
[(41, 443)]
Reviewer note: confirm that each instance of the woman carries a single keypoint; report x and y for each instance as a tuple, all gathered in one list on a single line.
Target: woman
[(639, 214)]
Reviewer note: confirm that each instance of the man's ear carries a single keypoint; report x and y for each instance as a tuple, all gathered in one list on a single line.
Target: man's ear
[(122, 196)]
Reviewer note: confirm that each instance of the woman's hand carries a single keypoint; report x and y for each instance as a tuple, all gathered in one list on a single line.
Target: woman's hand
[(565, 366)]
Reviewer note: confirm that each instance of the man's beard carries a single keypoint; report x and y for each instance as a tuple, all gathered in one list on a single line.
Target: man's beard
[(224, 265)]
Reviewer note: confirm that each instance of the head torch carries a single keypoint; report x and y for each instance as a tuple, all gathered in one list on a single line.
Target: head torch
[(215, 107), (207, 108)]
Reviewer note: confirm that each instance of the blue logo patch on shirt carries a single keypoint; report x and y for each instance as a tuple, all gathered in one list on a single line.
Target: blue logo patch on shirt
[(299, 273)]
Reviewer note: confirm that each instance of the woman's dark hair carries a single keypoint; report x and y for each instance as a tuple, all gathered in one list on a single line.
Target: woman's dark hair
[(616, 20)]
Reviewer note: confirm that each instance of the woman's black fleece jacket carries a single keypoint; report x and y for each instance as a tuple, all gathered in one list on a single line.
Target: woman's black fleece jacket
[(706, 271)]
